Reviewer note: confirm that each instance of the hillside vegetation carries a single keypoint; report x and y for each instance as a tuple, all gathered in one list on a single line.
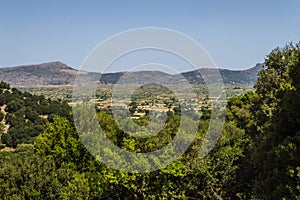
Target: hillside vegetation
[(24, 115)]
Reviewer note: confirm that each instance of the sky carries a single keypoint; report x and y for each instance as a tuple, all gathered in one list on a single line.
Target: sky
[(236, 34)]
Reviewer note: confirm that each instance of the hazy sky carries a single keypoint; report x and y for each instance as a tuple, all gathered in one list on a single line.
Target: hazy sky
[(236, 34)]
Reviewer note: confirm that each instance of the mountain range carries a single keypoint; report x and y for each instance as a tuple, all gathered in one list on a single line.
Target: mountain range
[(58, 73)]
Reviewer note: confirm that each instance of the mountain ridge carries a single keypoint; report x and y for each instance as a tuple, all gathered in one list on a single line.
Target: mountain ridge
[(58, 73)]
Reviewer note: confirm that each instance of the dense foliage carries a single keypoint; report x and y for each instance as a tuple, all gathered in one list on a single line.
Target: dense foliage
[(271, 118), (256, 156), (26, 114)]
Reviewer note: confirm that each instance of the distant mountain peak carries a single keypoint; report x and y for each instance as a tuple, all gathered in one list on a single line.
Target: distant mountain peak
[(257, 68), (51, 73), (57, 65)]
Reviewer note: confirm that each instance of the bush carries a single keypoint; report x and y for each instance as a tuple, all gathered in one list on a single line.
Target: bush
[(6, 139)]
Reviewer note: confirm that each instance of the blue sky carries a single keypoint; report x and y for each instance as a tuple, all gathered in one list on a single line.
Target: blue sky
[(236, 34)]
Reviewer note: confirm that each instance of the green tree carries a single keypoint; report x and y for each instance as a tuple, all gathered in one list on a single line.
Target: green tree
[(271, 118), (60, 142)]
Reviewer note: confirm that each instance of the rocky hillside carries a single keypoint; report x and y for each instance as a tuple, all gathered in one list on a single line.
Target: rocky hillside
[(53, 73), (57, 73)]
